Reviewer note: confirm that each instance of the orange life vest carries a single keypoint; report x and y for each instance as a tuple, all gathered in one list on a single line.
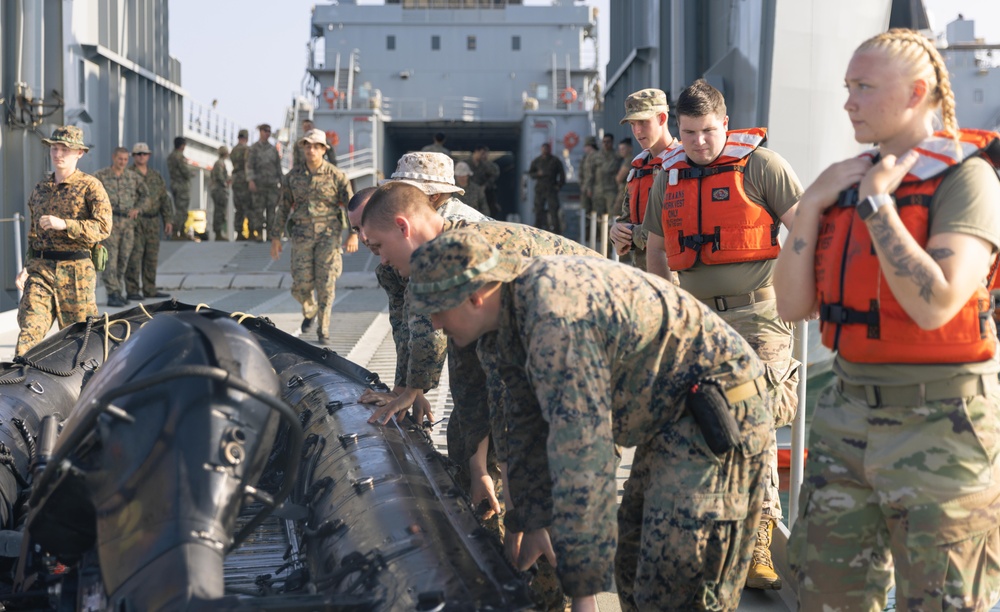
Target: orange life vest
[(640, 182), (707, 214), (865, 323)]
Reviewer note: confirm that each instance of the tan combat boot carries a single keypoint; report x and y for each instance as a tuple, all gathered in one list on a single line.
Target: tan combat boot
[(762, 574)]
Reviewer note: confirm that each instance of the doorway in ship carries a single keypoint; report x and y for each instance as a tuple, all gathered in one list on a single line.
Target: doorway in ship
[(462, 138)]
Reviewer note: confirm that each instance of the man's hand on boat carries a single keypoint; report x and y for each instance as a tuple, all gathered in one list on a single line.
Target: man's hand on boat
[(482, 490), (397, 403)]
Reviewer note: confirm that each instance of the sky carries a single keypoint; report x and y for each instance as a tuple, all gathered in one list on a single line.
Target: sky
[(250, 55)]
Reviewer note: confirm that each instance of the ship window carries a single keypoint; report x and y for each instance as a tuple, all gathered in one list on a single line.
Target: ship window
[(470, 43), (390, 42), (515, 43), (435, 43)]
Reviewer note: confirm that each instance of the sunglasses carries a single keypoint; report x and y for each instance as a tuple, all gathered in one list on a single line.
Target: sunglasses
[(140, 154)]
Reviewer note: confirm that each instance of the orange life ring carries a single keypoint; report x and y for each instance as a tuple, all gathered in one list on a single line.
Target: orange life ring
[(568, 95), (333, 138), (331, 95), (571, 140)]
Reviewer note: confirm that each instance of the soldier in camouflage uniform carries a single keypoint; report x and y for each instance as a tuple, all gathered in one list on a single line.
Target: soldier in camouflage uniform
[(475, 195), (438, 145), (586, 202), (263, 169), (601, 175), (218, 185), (180, 184), (477, 402), (242, 198), (595, 354), (154, 209), (485, 174), (549, 176), (314, 198), (126, 190), (70, 213)]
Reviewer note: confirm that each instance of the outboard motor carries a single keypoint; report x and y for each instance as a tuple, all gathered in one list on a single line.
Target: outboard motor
[(152, 466)]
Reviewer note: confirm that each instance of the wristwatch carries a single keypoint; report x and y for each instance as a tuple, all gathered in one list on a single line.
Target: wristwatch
[(870, 205)]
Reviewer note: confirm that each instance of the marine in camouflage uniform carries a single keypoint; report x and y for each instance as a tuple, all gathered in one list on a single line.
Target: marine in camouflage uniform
[(242, 198), (218, 186), (154, 210), (180, 184), (549, 176), (263, 170), (125, 191), (58, 279), (604, 165), (314, 201), (586, 201), (595, 354), (485, 174), (475, 195)]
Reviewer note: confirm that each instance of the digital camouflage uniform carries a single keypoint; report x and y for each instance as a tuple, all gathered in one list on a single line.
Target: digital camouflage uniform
[(549, 177), (596, 354), (298, 157), (180, 185), (263, 167), (219, 190), (154, 211), (62, 290), (314, 205), (125, 192), (475, 196), (485, 174), (242, 199)]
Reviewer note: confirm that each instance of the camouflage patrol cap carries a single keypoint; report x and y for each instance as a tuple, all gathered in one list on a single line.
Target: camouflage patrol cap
[(243, 134), (432, 173), (644, 104), (314, 136), (223, 150), (447, 270), (68, 135), (140, 147)]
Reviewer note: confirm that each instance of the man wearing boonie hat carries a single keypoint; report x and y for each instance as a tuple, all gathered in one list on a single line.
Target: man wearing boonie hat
[(314, 200), (396, 220), (263, 170), (126, 190), (475, 195), (218, 187), (713, 218), (646, 113), (141, 271), (242, 198), (594, 354), (70, 213)]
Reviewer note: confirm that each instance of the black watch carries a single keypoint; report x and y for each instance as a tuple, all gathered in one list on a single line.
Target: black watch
[(870, 205)]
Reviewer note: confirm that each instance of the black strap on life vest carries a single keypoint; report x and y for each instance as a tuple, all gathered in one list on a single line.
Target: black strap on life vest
[(701, 172), (696, 241), (641, 172), (840, 315)]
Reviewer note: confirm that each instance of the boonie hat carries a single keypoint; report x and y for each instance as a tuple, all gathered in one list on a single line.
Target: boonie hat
[(432, 173), (462, 169), (223, 150), (447, 270), (69, 135), (243, 134), (140, 147), (644, 104), (314, 136)]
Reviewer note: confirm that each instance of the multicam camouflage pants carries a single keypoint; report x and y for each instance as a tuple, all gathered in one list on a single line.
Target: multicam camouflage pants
[(119, 245), (261, 211), (316, 264), (771, 338), (242, 202), (182, 202), (547, 208), (910, 492), (60, 291), (687, 520), (145, 255)]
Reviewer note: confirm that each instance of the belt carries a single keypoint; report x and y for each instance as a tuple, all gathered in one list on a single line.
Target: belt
[(877, 396), (63, 255), (115, 213), (149, 215), (722, 303), (747, 390)]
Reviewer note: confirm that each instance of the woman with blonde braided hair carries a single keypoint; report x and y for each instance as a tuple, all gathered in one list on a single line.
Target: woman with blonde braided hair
[(894, 251)]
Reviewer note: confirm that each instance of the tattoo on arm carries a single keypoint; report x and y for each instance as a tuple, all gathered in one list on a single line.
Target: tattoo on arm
[(895, 252), (939, 254), (799, 244)]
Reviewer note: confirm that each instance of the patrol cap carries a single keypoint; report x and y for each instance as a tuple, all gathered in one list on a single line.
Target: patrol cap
[(223, 150), (462, 169), (243, 134), (432, 173), (264, 126), (140, 147), (69, 135), (314, 136), (447, 270), (644, 104)]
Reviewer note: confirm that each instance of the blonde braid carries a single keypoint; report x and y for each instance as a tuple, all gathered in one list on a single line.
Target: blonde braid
[(918, 52)]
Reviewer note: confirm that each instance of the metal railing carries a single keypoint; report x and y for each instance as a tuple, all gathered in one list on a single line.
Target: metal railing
[(17, 220), (206, 121)]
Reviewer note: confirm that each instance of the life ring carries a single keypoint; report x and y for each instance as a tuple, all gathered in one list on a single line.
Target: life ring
[(333, 138), (568, 95), (331, 95), (571, 140)]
